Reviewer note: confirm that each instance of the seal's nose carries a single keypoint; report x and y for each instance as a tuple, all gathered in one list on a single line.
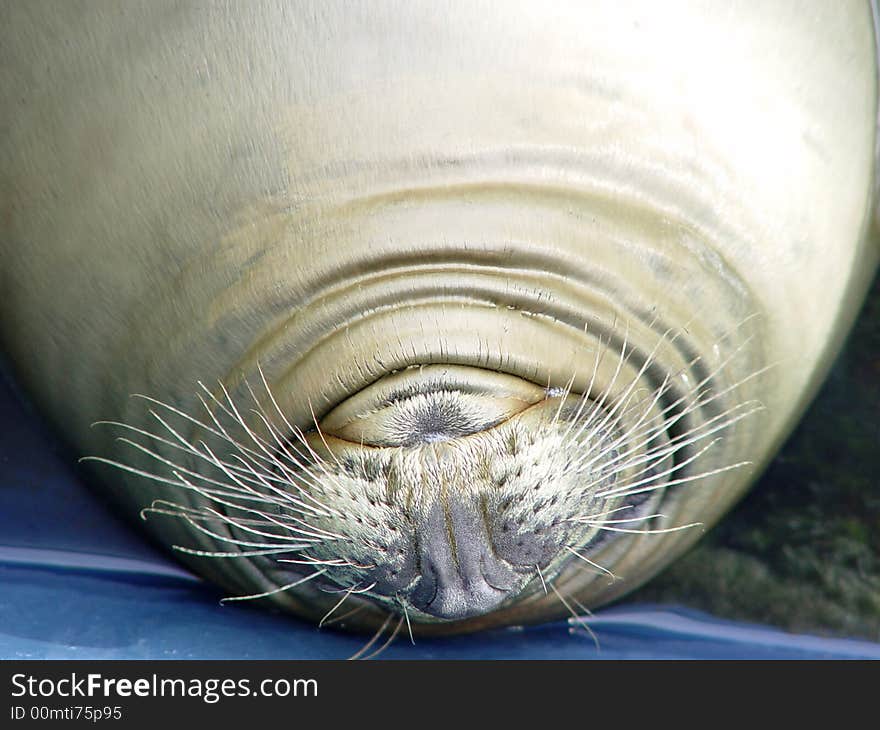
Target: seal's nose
[(459, 576)]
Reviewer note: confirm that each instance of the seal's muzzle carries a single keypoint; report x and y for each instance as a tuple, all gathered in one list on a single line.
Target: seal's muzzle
[(468, 483)]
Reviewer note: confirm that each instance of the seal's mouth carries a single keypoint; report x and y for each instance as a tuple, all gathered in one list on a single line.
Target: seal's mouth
[(462, 489)]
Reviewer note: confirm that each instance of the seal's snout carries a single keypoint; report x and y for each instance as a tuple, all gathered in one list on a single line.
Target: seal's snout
[(463, 559), (447, 568), (464, 479)]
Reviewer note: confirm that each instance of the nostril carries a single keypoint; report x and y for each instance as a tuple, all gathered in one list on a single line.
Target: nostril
[(449, 597), (460, 575)]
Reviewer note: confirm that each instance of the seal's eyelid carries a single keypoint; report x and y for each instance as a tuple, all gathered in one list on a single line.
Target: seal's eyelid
[(428, 404)]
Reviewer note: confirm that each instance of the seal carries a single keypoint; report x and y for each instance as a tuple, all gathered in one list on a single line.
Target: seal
[(453, 317)]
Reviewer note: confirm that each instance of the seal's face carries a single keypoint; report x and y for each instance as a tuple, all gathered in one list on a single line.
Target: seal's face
[(455, 490), (445, 492), (441, 493)]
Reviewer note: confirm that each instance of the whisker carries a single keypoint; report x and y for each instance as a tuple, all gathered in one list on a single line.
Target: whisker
[(348, 614), (590, 562), (389, 641), (662, 531), (687, 479), (235, 554), (366, 647), (408, 624), (192, 518), (336, 605), (541, 576), (628, 391), (575, 616), (263, 516), (267, 457), (279, 589)]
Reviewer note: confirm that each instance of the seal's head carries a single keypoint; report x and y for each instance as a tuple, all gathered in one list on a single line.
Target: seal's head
[(500, 279)]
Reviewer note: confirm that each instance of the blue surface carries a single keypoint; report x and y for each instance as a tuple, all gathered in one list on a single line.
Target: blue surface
[(75, 583)]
